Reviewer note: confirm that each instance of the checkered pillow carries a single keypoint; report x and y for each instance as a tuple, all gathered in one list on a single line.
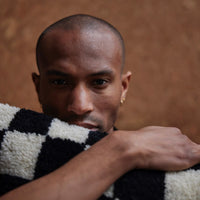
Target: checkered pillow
[(33, 145)]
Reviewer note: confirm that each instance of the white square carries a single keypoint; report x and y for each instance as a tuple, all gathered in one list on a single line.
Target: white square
[(60, 129), (7, 113), (183, 185), (19, 153)]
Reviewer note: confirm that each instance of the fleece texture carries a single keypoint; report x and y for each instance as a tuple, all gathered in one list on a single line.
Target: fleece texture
[(33, 145)]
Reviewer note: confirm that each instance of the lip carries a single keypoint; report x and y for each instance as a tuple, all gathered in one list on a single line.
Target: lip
[(90, 126)]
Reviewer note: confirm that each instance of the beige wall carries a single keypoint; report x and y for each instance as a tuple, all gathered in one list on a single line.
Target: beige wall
[(162, 47)]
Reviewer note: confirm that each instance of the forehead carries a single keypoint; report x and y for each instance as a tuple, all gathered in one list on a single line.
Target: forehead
[(94, 48)]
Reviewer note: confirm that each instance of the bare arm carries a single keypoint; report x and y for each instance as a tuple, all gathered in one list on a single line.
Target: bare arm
[(86, 176), (90, 173)]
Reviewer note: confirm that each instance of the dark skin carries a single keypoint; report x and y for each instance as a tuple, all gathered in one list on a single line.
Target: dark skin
[(80, 82), (80, 79)]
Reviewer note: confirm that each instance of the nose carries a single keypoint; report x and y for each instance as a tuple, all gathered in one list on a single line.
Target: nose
[(80, 100)]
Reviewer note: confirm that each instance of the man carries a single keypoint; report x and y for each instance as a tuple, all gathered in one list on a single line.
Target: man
[(81, 81)]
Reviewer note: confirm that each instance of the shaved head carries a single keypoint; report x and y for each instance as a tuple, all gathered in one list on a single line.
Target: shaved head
[(80, 22), (80, 59)]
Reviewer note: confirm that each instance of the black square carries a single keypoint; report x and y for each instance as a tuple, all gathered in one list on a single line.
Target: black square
[(28, 121), (54, 153), (2, 133), (95, 136), (9, 183), (141, 184)]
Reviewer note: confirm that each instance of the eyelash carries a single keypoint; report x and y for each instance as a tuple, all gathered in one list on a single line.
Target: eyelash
[(96, 83), (100, 82), (60, 82)]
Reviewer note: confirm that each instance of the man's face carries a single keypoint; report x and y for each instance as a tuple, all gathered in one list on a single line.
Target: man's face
[(80, 78)]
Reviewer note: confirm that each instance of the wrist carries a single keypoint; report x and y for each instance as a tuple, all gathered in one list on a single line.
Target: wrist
[(123, 145)]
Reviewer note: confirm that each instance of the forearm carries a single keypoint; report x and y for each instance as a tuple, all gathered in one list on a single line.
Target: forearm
[(86, 176), (90, 173)]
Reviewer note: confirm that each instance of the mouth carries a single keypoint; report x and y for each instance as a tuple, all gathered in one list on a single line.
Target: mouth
[(90, 126)]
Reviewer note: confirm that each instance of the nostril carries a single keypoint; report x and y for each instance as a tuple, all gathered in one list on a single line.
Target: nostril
[(80, 109), (81, 101)]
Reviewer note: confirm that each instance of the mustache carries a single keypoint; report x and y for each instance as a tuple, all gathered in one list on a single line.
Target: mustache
[(72, 118)]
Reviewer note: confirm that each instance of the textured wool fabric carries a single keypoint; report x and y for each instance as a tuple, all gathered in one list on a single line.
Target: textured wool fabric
[(33, 145)]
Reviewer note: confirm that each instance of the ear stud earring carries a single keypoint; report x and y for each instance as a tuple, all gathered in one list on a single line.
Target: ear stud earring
[(122, 100)]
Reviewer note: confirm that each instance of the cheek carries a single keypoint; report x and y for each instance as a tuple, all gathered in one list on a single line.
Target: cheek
[(107, 106), (53, 101)]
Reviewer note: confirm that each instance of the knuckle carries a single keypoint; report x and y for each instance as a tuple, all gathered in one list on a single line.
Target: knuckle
[(187, 163), (151, 127), (188, 157), (147, 128), (176, 130)]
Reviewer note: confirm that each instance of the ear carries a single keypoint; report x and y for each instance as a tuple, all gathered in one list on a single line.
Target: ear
[(125, 83), (36, 81)]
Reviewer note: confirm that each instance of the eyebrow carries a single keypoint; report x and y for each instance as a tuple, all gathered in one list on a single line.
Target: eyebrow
[(56, 72), (103, 72), (100, 73)]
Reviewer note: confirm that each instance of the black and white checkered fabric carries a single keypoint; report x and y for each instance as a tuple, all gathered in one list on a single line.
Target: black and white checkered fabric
[(33, 145)]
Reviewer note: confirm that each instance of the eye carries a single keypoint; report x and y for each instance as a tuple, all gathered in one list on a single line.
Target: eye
[(100, 83), (59, 82)]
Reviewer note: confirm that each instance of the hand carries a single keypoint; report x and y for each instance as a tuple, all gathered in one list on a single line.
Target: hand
[(159, 148)]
